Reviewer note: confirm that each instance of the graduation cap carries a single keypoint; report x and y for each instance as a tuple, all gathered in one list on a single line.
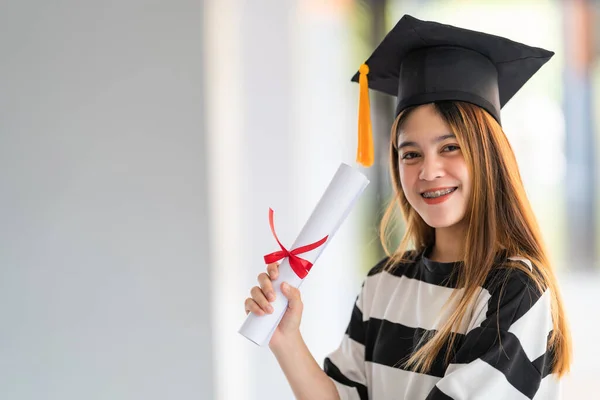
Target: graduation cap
[(422, 62)]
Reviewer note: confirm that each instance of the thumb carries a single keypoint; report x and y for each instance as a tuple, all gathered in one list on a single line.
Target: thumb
[(293, 296)]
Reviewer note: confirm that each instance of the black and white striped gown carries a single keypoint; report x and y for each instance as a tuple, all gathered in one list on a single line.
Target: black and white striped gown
[(393, 310)]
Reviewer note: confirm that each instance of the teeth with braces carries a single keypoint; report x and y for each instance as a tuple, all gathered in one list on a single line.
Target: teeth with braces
[(438, 193)]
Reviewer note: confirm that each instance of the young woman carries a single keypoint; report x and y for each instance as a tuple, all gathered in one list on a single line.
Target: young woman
[(473, 310)]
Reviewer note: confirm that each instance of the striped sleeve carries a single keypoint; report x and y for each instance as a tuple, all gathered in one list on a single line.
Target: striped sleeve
[(346, 365), (507, 355)]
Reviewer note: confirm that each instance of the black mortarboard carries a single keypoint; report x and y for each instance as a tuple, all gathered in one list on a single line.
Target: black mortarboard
[(422, 62)]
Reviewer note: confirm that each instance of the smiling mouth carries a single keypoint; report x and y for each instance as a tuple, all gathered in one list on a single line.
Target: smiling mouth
[(437, 193)]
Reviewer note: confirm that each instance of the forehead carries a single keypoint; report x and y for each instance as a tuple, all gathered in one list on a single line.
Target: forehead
[(423, 122)]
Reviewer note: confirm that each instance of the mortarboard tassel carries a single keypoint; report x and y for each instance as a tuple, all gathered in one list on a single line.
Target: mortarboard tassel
[(364, 153)]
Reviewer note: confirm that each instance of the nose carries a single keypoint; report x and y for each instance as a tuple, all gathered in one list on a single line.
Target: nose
[(431, 168)]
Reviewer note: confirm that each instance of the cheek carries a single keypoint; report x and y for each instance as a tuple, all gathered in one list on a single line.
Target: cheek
[(464, 175), (461, 172), (408, 179), (404, 178), (457, 167)]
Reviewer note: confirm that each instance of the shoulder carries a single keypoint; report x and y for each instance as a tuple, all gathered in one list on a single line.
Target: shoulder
[(515, 274), (515, 289)]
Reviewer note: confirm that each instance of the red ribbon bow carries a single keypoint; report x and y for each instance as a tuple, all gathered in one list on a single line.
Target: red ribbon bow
[(299, 265)]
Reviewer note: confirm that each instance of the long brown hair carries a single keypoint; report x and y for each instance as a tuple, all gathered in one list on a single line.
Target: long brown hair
[(500, 219)]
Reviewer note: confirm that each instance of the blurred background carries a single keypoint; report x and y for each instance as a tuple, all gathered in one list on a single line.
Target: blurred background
[(142, 143)]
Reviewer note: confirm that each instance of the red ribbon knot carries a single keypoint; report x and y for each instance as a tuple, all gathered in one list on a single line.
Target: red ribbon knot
[(299, 265)]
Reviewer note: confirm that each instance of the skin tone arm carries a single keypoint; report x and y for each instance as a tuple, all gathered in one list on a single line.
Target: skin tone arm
[(305, 376)]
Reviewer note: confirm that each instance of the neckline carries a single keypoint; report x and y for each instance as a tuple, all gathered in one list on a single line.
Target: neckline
[(445, 268), (437, 267)]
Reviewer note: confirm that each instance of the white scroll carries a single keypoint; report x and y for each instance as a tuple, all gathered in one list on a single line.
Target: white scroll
[(332, 209)]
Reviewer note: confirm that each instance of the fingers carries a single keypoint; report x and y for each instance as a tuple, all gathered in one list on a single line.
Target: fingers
[(273, 270), (258, 303), (259, 298), (266, 286), (252, 307), (265, 279)]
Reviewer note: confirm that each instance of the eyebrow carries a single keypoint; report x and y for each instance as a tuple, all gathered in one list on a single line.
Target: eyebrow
[(435, 140)]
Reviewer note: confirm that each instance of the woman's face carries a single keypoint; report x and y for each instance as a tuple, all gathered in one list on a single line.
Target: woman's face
[(433, 171)]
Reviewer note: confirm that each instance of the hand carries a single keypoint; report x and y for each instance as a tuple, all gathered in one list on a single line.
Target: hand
[(262, 296)]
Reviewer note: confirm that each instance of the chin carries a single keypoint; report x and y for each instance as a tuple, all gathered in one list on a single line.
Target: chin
[(438, 223)]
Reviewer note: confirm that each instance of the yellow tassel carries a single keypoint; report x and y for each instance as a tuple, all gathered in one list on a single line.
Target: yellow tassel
[(364, 153)]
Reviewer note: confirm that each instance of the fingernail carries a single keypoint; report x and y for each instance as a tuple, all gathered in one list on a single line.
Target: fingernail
[(269, 309), (285, 286), (271, 296)]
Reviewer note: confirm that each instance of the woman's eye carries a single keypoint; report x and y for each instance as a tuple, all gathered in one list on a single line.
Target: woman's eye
[(451, 147), (410, 155)]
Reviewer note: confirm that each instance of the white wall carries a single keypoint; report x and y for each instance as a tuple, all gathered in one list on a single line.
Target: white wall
[(104, 271)]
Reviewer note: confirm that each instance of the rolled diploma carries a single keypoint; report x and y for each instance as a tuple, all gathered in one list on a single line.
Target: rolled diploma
[(332, 209)]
